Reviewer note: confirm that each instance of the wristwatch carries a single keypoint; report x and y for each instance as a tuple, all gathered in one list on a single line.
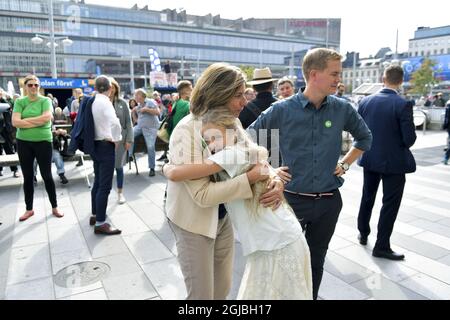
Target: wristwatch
[(344, 165)]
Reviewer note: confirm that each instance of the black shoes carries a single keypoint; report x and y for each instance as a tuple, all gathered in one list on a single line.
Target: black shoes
[(63, 178), (388, 254), (106, 229), (362, 239), (92, 220), (151, 173), (163, 157)]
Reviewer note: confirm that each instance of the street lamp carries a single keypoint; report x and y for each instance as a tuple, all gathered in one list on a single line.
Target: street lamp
[(39, 38)]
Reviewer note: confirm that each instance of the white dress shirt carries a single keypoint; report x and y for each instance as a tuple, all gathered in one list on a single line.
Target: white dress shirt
[(107, 125)]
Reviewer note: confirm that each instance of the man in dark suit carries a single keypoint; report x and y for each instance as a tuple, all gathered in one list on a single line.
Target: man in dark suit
[(390, 118)]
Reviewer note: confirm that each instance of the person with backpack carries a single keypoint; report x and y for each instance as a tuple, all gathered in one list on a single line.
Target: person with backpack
[(180, 108)]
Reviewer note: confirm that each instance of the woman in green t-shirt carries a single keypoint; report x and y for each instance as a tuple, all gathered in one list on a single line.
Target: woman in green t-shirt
[(32, 117)]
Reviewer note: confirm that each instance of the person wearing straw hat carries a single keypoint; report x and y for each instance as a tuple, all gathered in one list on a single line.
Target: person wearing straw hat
[(263, 84)]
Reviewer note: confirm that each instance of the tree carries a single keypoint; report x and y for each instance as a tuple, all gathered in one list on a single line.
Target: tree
[(248, 71), (423, 78)]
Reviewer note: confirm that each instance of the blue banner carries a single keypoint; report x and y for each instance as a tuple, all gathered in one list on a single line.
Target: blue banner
[(63, 83), (441, 69)]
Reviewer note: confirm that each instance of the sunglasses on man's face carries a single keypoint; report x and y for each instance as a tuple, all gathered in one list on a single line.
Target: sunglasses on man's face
[(31, 85)]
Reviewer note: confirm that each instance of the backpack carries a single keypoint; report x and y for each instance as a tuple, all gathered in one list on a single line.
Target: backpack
[(169, 118)]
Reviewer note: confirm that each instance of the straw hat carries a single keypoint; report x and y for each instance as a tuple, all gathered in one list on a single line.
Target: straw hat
[(261, 76)]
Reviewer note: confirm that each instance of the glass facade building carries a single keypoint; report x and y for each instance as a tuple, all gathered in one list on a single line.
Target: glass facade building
[(105, 38)]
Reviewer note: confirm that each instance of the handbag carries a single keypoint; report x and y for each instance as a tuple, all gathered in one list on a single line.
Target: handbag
[(162, 133)]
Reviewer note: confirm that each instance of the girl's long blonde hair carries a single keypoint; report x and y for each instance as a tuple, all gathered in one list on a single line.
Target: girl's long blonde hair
[(223, 118)]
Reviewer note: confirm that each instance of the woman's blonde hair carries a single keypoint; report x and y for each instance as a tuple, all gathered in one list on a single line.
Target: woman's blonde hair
[(216, 87), (31, 77), (116, 87)]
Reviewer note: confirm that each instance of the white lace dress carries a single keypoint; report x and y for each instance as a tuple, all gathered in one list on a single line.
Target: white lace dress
[(278, 260)]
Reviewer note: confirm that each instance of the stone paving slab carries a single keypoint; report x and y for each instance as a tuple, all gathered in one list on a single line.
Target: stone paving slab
[(428, 287), (98, 294), (333, 288), (39, 289), (381, 288), (167, 278)]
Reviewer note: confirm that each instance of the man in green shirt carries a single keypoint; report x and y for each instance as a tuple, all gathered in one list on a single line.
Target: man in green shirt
[(180, 108)]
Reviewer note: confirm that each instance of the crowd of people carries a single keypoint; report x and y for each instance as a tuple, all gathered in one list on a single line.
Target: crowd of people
[(225, 170)]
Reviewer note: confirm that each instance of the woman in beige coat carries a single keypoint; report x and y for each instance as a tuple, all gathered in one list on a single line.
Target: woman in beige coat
[(203, 231)]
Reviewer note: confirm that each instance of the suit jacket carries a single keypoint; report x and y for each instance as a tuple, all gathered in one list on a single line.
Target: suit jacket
[(390, 118), (262, 101), (83, 131), (193, 205), (446, 124)]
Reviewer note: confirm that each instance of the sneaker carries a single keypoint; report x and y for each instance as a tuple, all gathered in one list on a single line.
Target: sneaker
[(163, 157), (445, 162), (63, 178), (121, 198), (16, 174), (151, 173)]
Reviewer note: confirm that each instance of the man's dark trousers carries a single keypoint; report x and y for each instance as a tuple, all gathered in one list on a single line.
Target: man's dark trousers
[(318, 218), (103, 159), (393, 186)]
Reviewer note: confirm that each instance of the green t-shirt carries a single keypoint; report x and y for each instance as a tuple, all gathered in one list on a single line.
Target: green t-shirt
[(182, 110), (32, 109)]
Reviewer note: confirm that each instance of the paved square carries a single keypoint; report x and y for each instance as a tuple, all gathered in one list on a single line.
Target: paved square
[(143, 259)]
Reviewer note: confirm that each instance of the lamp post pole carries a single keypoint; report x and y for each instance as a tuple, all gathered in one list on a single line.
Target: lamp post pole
[(354, 71), (52, 40), (39, 38), (131, 67)]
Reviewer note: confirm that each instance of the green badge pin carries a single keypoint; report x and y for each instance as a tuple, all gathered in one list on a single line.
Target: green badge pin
[(328, 124)]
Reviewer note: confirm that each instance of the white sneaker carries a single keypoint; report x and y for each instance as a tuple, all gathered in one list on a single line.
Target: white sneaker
[(121, 198)]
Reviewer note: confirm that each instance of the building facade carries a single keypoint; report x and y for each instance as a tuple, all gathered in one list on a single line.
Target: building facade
[(108, 40), (430, 42)]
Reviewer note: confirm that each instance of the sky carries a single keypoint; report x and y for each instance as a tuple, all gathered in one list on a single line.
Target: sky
[(366, 26)]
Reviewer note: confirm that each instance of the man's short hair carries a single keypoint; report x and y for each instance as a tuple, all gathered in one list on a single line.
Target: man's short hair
[(141, 91), (394, 75), (285, 80), (183, 84), (102, 84), (317, 59)]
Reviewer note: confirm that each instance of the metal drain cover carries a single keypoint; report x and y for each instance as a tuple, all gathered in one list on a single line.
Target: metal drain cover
[(81, 274)]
